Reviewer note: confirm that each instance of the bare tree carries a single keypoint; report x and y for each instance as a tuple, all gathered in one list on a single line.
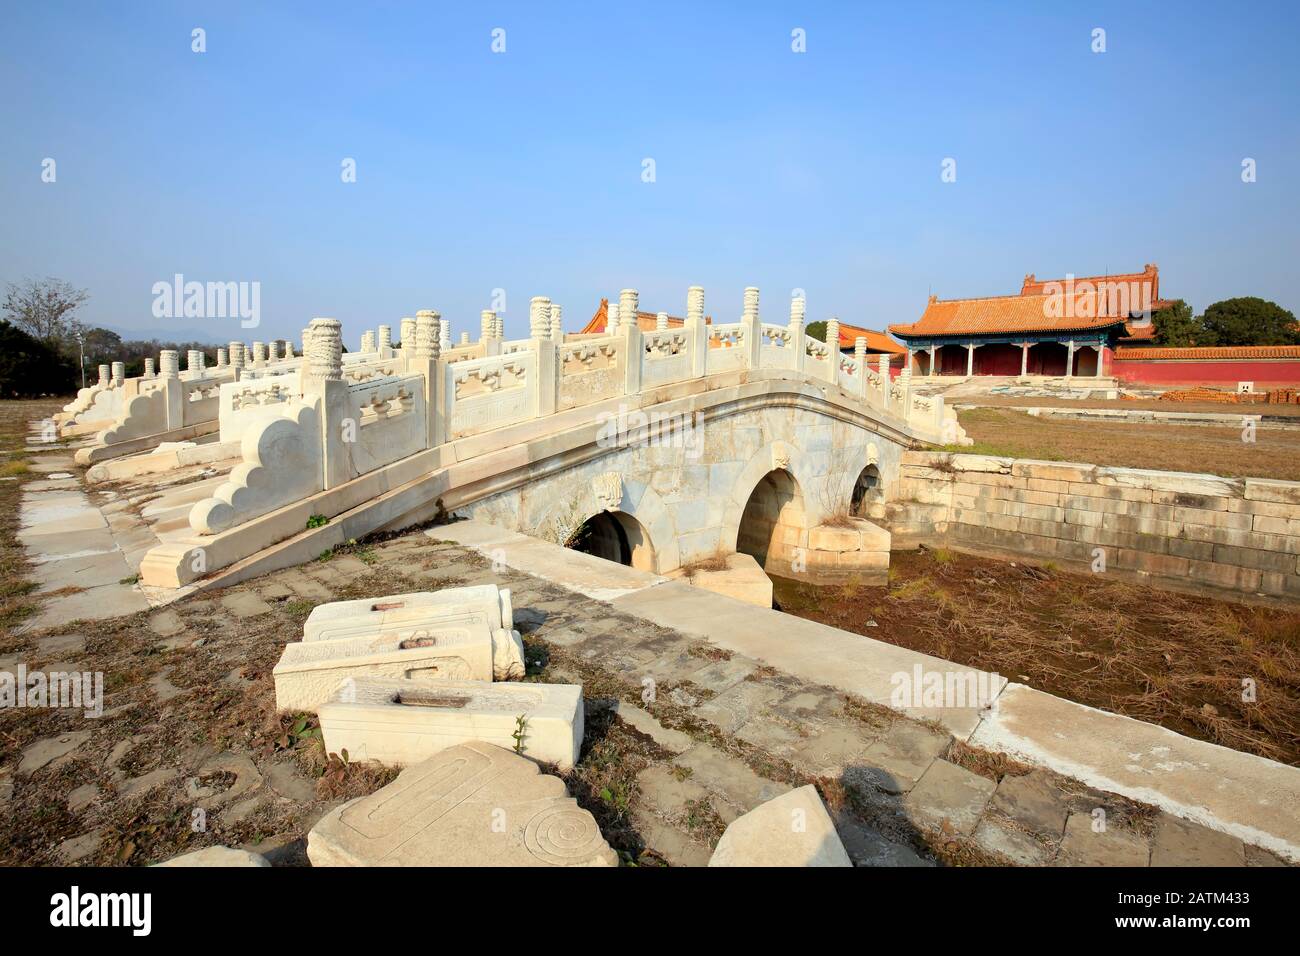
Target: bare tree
[(44, 308)]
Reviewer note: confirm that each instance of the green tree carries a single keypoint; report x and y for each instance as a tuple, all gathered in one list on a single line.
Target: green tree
[(1250, 320), (1176, 327), (29, 368), (816, 330)]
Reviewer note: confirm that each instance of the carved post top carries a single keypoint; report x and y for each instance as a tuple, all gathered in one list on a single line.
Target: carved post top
[(539, 317), (611, 319), (695, 304), (444, 332), (367, 341), (385, 336), (223, 359), (259, 352), (487, 324), (325, 351), (860, 346), (833, 334), (105, 375), (426, 335), (751, 304), (237, 354), (119, 373), (272, 351), (464, 338), (169, 360), (628, 305), (798, 308), (408, 332), (500, 331), (148, 368), (557, 322)]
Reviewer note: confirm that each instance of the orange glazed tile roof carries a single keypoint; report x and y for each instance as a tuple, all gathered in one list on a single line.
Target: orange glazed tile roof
[(1209, 353), (876, 341), (1080, 303), (1007, 313), (646, 321)]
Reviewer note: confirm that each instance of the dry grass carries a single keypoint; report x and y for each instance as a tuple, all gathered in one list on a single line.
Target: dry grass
[(1275, 453), (1173, 659)]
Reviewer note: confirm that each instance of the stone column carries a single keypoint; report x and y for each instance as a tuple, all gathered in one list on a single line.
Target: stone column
[(194, 361), (259, 353), (611, 318), (148, 368), (325, 357), (501, 328), (223, 359), (933, 354), (539, 330), (860, 362), (169, 362), (464, 338), (421, 353), (1024, 359), (119, 374), (428, 345), (697, 332), (272, 351), (367, 342), (237, 359), (105, 376), (487, 323), (798, 307), (751, 325), (1069, 360), (288, 349), (408, 335), (385, 339), (970, 359), (557, 323), (661, 322), (1101, 355), (321, 377)]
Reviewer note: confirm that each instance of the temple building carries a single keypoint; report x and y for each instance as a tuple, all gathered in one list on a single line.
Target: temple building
[(1058, 327)]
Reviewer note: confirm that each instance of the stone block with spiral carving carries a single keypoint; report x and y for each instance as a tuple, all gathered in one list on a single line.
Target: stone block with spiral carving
[(471, 805)]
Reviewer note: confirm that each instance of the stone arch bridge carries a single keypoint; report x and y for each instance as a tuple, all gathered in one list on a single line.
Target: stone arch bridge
[(665, 449)]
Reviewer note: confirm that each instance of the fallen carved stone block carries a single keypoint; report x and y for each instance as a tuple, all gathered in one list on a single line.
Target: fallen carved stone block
[(401, 722), (794, 829), (470, 805), (405, 614), (310, 671)]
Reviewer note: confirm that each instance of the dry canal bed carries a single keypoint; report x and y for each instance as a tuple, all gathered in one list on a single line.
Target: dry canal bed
[(1172, 659)]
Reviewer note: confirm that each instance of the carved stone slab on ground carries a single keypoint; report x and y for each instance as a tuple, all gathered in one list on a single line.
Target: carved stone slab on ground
[(310, 671), (793, 829), (402, 722), (403, 613), (470, 805)]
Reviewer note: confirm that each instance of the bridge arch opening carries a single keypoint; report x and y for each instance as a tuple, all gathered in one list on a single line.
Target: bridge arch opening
[(772, 521), (615, 536), (867, 490)]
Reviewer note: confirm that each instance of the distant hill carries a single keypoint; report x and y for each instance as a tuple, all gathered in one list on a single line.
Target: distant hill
[(227, 331)]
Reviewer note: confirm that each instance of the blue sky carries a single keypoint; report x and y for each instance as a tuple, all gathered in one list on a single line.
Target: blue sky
[(523, 170)]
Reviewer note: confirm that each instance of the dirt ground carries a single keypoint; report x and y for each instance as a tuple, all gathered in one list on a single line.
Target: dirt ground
[(1171, 659), (1275, 453), (1143, 404)]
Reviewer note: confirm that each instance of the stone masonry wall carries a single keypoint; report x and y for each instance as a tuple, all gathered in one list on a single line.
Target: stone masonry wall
[(1238, 534)]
